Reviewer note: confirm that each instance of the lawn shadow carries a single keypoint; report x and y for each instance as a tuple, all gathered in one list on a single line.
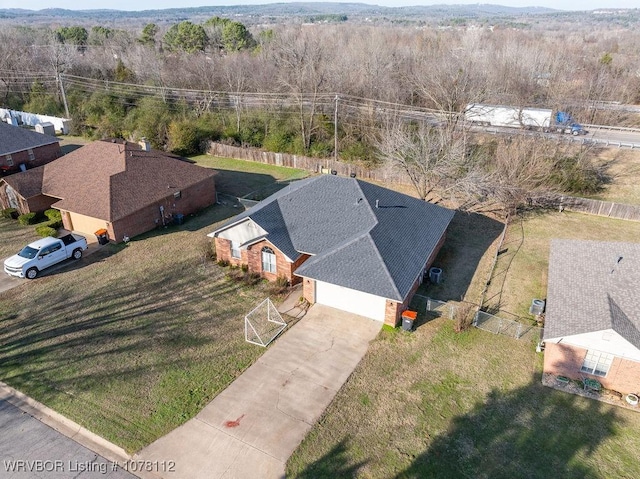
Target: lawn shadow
[(241, 183), (68, 148), (531, 432), (469, 237), (333, 464)]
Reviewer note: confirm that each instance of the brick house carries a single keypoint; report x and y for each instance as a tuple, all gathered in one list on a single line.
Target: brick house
[(122, 187), (354, 245), (19, 146), (592, 323), (23, 191)]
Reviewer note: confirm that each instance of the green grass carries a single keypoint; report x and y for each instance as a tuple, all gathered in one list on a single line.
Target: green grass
[(467, 405), (241, 177), (526, 276), (133, 340), (13, 236)]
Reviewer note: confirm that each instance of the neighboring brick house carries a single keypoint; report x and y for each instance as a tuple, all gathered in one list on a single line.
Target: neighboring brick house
[(592, 322), (19, 146), (354, 245), (23, 191), (121, 187)]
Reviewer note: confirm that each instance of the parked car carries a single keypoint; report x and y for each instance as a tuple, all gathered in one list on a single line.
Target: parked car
[(42, 254)]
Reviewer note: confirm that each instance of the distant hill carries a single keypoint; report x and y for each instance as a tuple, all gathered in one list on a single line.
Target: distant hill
[(275, 11)]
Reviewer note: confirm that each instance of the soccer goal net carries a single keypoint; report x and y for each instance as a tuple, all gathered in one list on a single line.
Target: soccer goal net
[(263, 324)]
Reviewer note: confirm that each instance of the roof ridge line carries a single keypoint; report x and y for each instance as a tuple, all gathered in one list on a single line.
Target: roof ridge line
[(386, 269)]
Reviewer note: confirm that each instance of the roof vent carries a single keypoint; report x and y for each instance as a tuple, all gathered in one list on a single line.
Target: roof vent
[(377, 203), (352, 175), (617, 263), (334, 172), (358, 201), (144, 144)]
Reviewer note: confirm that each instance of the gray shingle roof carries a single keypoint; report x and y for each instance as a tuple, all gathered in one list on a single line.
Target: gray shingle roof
[(591, 290), (356, 245), (14, 139)]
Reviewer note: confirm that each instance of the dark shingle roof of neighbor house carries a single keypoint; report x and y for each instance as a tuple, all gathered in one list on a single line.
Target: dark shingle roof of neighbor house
[(14, 139), (593, 286), (27, 183), (379, 250)]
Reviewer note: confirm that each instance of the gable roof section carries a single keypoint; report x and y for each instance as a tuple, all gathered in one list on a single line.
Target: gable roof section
[(111, 180), (26, 183), (591, 290), (14, 139), (354, 244)]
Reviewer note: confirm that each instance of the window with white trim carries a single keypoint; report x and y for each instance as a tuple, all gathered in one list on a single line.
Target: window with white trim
[(31, 155), (597, 363), (235, 249), (268, 260), (9, 160)]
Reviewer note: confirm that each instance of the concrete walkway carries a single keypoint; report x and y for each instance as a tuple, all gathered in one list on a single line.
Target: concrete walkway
[(252, 427)]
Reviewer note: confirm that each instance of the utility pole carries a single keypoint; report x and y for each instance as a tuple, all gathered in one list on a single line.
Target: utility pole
[(64, 96), (335, 131)]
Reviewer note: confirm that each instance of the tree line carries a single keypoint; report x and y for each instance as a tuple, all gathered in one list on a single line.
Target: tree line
[(443, 69)]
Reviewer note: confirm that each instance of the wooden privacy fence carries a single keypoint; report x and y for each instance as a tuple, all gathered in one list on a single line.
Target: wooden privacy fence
[(600, 208), (316, 165)]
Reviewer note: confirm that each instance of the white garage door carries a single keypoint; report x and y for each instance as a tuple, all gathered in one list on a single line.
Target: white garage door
[(350, 300)]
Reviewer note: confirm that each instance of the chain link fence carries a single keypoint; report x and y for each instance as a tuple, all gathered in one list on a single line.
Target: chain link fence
[(507, 327), (435, 308)]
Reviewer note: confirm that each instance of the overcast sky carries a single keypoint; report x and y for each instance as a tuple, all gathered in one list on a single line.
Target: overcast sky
[(159, 4)]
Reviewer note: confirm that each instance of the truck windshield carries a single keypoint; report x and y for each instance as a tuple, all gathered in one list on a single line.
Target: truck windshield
[(28, 252)]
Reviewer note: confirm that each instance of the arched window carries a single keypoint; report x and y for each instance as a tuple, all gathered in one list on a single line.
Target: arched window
[(268, 260)]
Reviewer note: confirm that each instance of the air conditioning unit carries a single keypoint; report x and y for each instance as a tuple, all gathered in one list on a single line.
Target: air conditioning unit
[(537, 307), (435, 275)]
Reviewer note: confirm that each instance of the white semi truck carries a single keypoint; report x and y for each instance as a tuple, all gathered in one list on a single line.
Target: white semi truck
[(541, 119), (42, 254)]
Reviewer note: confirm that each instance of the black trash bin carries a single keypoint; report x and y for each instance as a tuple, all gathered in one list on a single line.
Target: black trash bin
[(408, 317), (103, 236)]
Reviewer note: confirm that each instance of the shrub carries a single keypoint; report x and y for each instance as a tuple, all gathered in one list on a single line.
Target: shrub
[(53, 215), (223, 263), (10, 213), (55, 224), (44, 231), (27, 219), (208, 250), (245, 268), (463, 317), (280, 286)]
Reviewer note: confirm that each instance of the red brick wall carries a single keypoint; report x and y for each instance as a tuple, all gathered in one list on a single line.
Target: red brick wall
[(283, 267), (309, 290), (566, 360), (43, 155), (41, 202), (192, 199), (252, 257)]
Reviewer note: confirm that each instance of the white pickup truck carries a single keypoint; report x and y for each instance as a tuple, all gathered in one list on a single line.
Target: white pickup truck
[(44, 253)]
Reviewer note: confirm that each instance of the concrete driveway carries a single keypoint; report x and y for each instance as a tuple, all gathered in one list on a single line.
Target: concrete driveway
[(252, 427)]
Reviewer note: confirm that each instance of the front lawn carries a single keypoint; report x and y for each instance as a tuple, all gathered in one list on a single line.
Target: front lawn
[(440, 404), (133, 341)]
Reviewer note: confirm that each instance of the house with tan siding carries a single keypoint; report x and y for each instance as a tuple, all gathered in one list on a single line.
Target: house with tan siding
[(592, 321), (354, 246)]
